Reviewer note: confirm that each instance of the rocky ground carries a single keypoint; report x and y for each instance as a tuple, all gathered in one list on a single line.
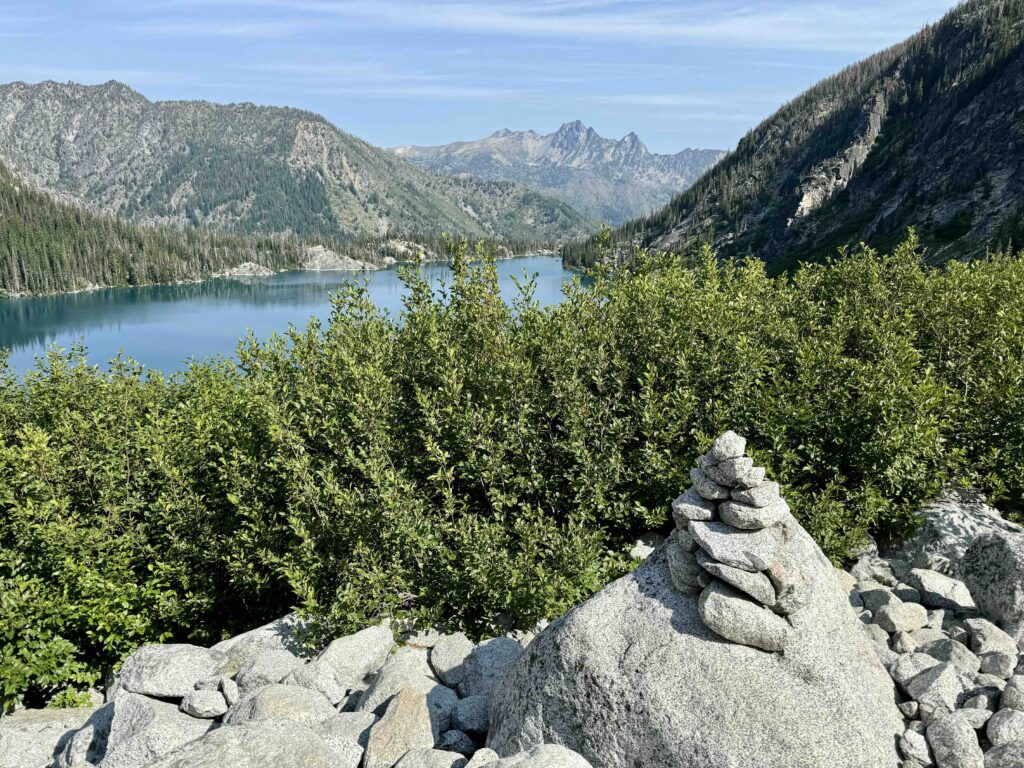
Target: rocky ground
[(735, 644)]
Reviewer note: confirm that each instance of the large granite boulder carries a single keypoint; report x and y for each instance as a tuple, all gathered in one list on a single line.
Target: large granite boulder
[(636, 678), (277, 743), (32, 738), (993, 569), (170, 671)]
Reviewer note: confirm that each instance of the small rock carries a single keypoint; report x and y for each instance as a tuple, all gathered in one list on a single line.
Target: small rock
[(448, 656), (319, 676), (487, 664), (878, 635), (874, 595), (404, 726), (937, 689), (729, 614), (707, 487), (229, 688), (752, 478), (903, 642), (457, 741), (874, 568), (727, 472), (692, 506), (747, 550), (976, 717), (431, 758), (914, 745), (927, 635), (761, 495), (902, 617), (355, 656), (410, 669), (750, 518), (205, 704), (907, 593), (471, 716), (683, 567), (1013, 693), (954, 743), (940, 591), (996, 649), (483, 757), (267, 668), (909, 709), (910, 666), (728, 445), (955, 653), (281, 702), (1005, 726), (757, 585)]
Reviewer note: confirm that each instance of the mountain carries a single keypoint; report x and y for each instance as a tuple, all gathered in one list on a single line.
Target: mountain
[(247, 169), (926, 134), (605, 179), (48, 246)]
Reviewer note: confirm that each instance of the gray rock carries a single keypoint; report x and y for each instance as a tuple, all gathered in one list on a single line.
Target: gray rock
[(874, 595), (1007, 756), (796, 567), (909, 709), (954, 743), (405, 725), (914, 745), (32, 738), (761, 495), (683, 567), (1013, 693), (448, 655), (874, 568), (902, 617), (955, 653), (996, 649), (349, 726), (750, 518), (928, 635), (751, 479), (727, 472), (976, 717), (692, 506), (910, 666), (487, 664), (319, 676), (544, 756), (940, 591), (757, 585), (612, 678), (431, 758), (746, 550), (277, 743), (903, 642), (86, 745), (729, 614), (144, 729), (907, 593), (409, 669), (728, 445), (878, 635), (937, 689), (1005, 726), (169, 671), (938, 618), (281, 702), (644, 546), (343, 754), (280, 634), (267, 668), (471, 715), (993, 569), (204, 704), (355, 656), (483, 757), (457, 741), (706, 487), (229, 688)]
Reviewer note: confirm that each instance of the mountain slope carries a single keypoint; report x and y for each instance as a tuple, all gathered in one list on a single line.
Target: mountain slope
[(929, 134), (247, 169), (48, 246), (603, 178)]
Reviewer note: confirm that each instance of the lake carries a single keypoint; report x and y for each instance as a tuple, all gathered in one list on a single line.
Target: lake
[(163, 326)]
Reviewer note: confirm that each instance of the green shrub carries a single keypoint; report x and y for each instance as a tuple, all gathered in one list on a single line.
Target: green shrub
[(471, 459)]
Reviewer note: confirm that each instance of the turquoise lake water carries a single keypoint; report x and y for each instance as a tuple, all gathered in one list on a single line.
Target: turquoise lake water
[(163, 326)]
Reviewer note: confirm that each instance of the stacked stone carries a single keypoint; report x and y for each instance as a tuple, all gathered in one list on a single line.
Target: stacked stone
[(734, 546)]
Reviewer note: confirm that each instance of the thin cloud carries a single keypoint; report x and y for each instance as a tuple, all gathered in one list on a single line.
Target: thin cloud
[(225, 28)]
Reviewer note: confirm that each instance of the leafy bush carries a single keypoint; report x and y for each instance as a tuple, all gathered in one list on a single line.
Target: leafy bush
[(471, 458)]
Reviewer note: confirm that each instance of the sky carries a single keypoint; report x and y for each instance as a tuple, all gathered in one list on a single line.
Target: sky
[(688, 73)]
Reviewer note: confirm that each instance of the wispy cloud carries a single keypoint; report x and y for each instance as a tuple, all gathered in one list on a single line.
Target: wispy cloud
[(226, 28)]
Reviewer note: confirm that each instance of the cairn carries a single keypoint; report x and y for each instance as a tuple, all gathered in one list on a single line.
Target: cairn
[(735, 544)]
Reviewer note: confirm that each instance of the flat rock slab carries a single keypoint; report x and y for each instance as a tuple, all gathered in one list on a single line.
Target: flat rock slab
[(755, 584), (760, 495), (170, 671), (404, 726), (940, 591), (746, 550), (750, 518)]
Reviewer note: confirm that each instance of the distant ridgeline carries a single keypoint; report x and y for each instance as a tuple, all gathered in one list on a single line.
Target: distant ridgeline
[(48, 246), (926, 134)]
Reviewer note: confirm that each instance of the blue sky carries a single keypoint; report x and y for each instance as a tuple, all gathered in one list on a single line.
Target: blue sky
[(690, 73)]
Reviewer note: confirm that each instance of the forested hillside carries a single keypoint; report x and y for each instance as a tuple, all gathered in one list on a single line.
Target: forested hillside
[(929, 134), (247, 169), (47, 247)]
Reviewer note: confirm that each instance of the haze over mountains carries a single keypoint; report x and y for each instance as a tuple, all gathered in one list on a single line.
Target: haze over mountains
[(926, 134), (603, 178), (247, 169)]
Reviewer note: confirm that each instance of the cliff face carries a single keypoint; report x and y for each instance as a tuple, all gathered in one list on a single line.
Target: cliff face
[(246, 169), (609, 179), (927, 134)]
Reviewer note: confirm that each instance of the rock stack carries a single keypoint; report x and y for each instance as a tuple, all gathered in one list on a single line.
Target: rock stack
[(733, 545)]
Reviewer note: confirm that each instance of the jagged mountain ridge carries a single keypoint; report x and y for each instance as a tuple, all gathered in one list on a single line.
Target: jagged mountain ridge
[(247, 169), (926, 134), (613, 180)]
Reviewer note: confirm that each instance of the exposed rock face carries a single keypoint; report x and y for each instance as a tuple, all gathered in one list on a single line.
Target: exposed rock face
[(636, 677), (32, 738), (320, 259)]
